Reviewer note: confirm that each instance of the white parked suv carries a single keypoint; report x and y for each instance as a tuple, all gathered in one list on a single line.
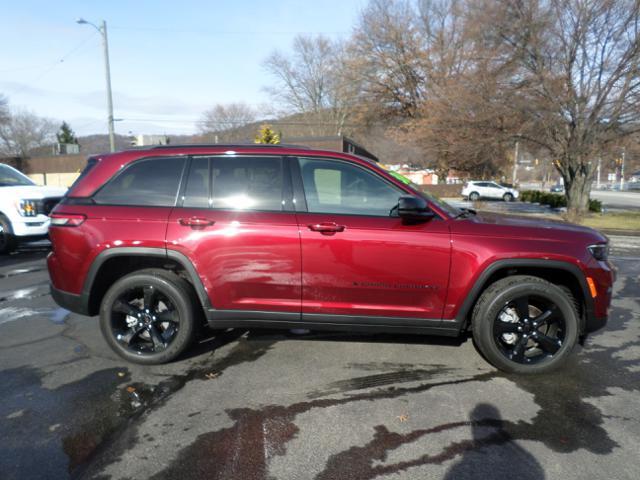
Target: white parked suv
[(474, 190), (24, 207)]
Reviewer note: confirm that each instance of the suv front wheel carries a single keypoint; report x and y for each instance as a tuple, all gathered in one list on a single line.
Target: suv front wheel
[(148, 316), (524, 324)]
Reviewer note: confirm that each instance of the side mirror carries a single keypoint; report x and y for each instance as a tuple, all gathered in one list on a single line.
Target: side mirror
[(414, 208)]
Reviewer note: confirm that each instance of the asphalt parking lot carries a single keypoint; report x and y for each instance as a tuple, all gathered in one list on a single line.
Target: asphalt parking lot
[(270, 404)]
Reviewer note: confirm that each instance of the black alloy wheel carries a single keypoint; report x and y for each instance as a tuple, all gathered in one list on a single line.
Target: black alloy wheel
[(525, 324), (144, 320), (149, 316), (529, 329)]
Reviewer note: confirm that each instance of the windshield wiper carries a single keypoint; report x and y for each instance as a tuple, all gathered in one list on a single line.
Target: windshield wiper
[(465, 212)]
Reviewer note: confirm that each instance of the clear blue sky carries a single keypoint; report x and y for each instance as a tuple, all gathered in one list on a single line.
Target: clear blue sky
[(169, 60)]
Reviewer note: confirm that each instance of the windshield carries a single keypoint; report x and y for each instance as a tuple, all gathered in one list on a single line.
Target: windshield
[(450, 209), (10, 177)]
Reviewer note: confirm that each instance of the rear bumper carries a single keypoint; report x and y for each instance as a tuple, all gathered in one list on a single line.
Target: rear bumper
[(70, 301)]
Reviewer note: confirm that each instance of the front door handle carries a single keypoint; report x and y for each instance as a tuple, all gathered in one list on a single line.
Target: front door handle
[(196, 222), (326, 228)]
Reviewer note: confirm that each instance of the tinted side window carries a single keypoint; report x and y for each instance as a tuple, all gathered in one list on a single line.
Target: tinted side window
[(333, 186), (149, 182), (247, 183), (196, 193)]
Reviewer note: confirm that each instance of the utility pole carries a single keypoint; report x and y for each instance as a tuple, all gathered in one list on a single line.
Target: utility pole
[(622, 170), (102, 29), (515, 163), (598, 170)]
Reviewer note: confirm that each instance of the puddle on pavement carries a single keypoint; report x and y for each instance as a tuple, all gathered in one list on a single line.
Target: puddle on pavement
[(12, 314), (89, 430), (76, 421), (23, 271), (566, 421)]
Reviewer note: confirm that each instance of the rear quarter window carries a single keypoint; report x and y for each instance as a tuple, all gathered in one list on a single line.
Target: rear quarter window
[(148, 182)]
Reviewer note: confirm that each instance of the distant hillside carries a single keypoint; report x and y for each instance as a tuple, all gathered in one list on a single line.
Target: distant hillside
[(374, 138)]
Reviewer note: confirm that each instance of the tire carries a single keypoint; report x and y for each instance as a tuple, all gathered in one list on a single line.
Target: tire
[(508, 197), (8, 241), (473, 196), (150, 316), (525, 325)]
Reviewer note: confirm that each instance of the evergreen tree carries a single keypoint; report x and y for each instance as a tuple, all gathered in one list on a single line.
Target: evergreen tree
[(66, 135)]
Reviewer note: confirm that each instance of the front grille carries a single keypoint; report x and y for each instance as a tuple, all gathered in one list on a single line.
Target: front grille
[(47, 204)]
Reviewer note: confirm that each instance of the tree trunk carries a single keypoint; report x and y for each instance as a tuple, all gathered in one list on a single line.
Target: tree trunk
[(577, 190)]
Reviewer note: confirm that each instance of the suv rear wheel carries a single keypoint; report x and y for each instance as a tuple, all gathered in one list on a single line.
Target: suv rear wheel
[(524, 324), (473, 196), (149, 316)]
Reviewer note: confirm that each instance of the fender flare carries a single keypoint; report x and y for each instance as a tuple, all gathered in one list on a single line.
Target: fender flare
[(163, 253), (481, 282)]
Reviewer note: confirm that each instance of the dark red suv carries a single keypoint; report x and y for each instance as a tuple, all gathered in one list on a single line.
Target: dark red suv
[(161, 241)]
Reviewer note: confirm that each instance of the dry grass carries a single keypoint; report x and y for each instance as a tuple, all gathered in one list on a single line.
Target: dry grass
[(629, 221)]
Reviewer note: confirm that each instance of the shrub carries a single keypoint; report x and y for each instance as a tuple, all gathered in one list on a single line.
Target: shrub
[(554, 200)]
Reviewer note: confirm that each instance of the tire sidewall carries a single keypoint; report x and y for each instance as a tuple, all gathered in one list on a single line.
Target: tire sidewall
[(178, 296), (487, 316), (9, 243)]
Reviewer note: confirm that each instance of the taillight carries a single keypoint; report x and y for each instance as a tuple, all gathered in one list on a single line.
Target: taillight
[(66, 219)]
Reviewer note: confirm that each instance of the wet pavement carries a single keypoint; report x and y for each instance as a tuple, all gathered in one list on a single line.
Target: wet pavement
[(270, 404)]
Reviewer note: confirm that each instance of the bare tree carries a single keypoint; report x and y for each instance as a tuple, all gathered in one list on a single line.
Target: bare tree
[(577, 79), (386, 59), (25, 131), (309, 82), (4, 110), (221, 120)]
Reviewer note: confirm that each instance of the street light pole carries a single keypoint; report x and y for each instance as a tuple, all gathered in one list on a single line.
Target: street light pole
[(107, 70)]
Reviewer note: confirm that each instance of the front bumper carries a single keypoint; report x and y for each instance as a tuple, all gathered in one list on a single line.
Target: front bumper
[(37, 226)]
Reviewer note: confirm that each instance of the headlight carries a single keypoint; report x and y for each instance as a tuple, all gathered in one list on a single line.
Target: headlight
[(599, 251), (27, 208)]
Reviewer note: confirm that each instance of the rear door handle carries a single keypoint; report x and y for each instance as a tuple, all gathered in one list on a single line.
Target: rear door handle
[(326, 228), (196, 222)]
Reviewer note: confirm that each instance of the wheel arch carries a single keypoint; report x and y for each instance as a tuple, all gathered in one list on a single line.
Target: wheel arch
[(557, 272), (111, 264)]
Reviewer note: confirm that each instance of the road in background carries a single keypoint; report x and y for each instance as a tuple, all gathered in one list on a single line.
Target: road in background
[(618, 200)]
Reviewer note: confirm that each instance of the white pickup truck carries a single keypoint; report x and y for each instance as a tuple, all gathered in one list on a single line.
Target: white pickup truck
[(24, 208)]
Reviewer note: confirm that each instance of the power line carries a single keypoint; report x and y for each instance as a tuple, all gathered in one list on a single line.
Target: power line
[(50, 67), (227, 32)]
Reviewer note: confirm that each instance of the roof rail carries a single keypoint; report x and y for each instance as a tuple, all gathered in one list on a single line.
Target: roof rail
[(219, 145)]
